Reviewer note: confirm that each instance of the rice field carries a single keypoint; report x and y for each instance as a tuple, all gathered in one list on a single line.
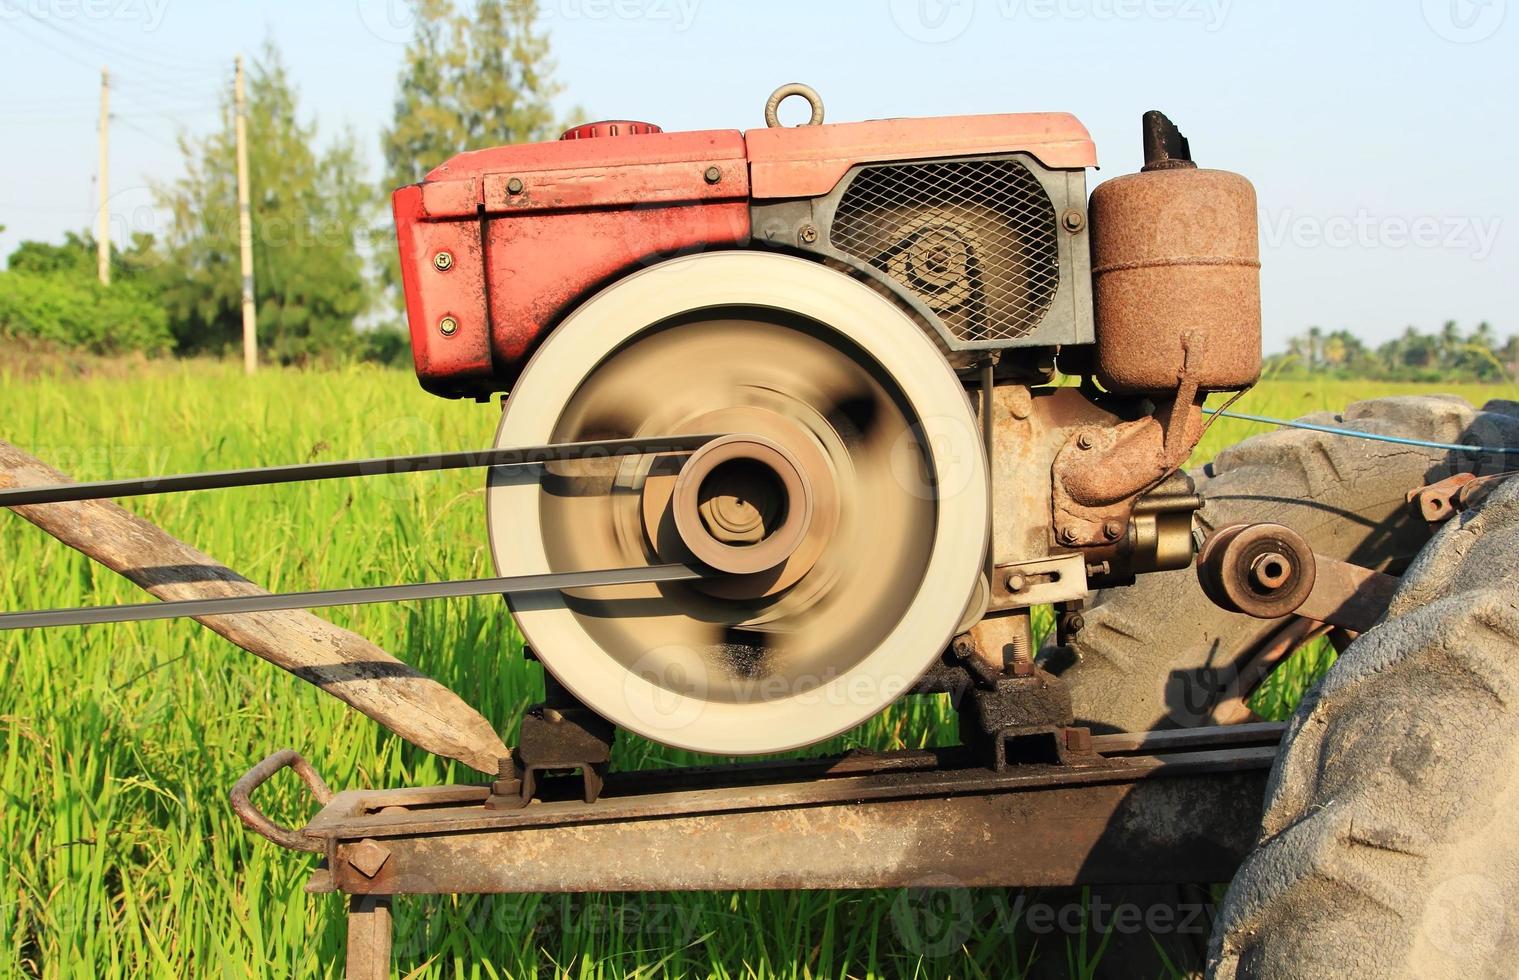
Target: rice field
[(120, 856)]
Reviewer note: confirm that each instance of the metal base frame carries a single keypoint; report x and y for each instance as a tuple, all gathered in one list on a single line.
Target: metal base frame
[(1158, 807)]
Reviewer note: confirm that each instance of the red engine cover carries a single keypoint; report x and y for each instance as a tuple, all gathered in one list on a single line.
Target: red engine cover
[(497, 245)]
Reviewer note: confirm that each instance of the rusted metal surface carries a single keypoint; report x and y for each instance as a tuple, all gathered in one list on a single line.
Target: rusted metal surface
[(369, 938), (1186, 811), (1231, 708), (1175, 255), (1348, 596), (1100, 472), (1269, 571), (1165, 830), (1029, 427), (1440, 501), (1437, 501), (1263, 570), (561, 735), (1041, 581), (255, 820)]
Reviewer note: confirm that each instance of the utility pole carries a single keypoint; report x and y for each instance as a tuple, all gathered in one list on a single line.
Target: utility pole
[(103, 186), (245, 228)]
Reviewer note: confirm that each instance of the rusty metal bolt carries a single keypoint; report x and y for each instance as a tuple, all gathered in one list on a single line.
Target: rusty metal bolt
[(514, 186), (1271, 570), (1073, 221), (1020, 403), (808, 234), (368, 856), (1016, 583), (443, 261), (713, 175), (1067, 535), (448, 326), (1084, 440), (1111, 530)]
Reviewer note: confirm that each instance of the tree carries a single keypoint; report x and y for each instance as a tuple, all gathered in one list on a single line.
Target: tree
[(427, 127), (470, 78), (308, 207), (1449, 341)]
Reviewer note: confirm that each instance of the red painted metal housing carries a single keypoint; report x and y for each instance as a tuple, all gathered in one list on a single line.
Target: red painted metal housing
[(498, 245)]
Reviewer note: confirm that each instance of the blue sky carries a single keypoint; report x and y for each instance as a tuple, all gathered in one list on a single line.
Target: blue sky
[(1381, 137)]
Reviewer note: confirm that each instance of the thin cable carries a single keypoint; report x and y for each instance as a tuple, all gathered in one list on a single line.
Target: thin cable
[(1222, 410), (110, 49), (1356, 434)]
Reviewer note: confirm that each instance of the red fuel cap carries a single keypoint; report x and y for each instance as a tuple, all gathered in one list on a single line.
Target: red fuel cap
[(610, 127)]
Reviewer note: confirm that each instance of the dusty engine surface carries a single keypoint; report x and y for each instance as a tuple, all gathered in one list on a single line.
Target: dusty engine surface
[(943, 385)]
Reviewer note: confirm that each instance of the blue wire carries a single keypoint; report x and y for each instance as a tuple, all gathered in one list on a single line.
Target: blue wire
[(1375, 436)]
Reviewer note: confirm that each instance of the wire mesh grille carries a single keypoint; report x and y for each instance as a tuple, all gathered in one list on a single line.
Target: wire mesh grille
[(975, 240)]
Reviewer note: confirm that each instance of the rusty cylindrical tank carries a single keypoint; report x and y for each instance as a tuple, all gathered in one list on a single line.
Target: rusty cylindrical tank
[(1176, 273)]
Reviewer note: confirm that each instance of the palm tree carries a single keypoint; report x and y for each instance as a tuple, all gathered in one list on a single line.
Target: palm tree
[(1450, 342), (1315, 342)]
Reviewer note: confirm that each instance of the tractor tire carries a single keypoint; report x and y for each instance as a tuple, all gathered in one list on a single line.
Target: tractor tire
[(1389, 846), (1159, 653)]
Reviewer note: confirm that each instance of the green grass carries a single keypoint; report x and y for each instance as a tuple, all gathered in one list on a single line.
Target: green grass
[(120, 856)]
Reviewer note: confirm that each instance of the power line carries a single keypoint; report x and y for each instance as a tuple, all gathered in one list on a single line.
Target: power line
[(100, 46), (145, 132)]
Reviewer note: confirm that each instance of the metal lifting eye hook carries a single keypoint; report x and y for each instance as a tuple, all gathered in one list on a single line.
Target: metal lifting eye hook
[(773, 104)]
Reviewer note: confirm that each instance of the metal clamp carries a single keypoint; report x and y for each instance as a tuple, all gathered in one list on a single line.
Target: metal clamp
[(773, 104), (254, 818)]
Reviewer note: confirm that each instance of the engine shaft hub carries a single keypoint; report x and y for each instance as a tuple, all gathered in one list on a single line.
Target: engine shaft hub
[(742, 504)]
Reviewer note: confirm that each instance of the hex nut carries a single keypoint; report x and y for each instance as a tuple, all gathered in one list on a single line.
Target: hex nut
[(368, 856), (514, 186), (1073, 221), (1084, 440), (713, 175), (1111, 530)]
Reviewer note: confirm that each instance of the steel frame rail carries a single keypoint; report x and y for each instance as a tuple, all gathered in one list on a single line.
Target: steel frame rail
[(1159, 807)]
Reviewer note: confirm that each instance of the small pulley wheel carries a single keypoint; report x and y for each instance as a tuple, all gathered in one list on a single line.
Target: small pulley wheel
[(1261, 570), (773, 104)]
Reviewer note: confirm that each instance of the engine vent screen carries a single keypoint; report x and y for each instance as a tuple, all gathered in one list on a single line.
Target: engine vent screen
[(975, 240)]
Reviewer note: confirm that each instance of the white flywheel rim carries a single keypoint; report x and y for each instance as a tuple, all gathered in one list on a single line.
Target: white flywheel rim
[(794, 287)]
